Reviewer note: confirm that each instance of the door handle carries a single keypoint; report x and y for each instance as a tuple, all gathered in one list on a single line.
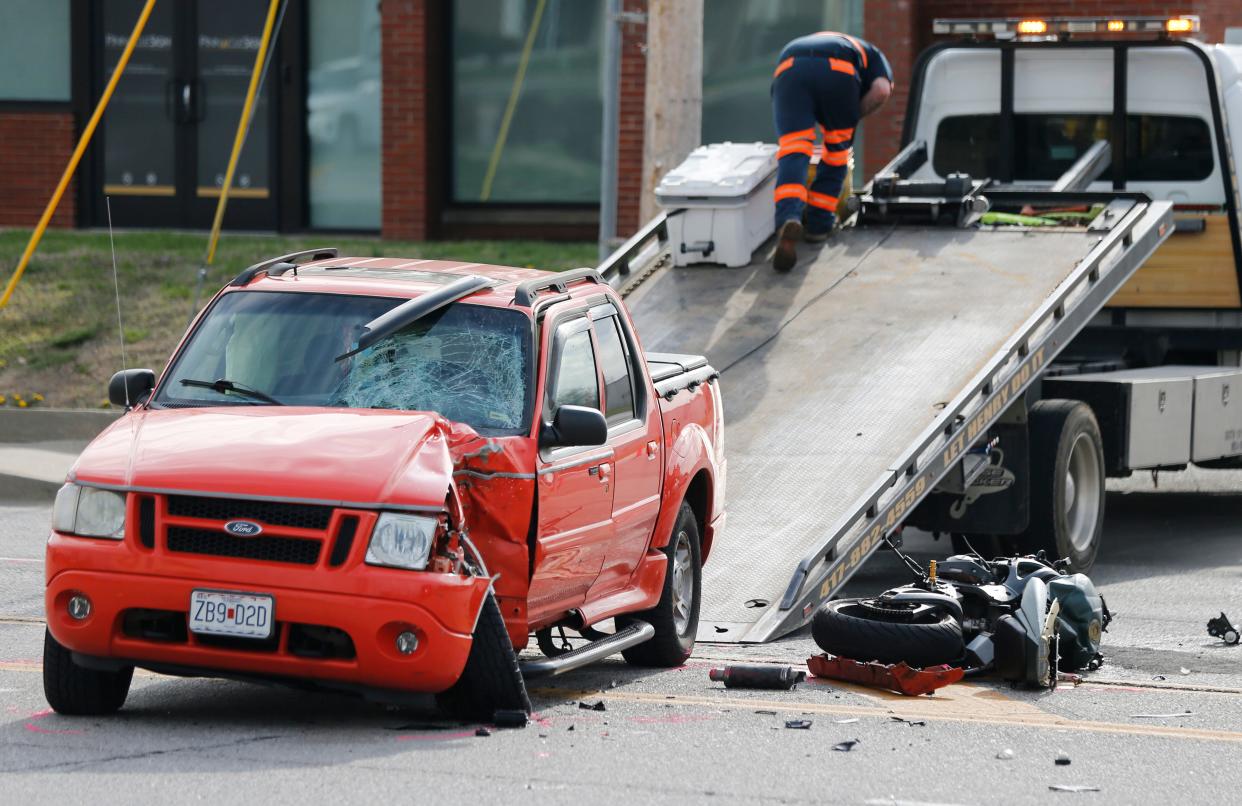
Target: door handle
[(605, 473), (653, 448)]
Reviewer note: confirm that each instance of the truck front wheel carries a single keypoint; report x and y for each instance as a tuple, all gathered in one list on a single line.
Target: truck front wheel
[(491, 680), (1067, 483), (676, 617), (78, 691)]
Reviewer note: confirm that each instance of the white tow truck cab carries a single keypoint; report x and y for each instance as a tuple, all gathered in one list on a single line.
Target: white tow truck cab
[(1020, 101)]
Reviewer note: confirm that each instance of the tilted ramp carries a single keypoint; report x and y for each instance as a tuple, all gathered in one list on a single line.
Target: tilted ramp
[(853, 384)]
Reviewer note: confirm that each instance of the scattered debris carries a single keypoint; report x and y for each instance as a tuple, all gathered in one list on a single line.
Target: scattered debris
[(586, 706), (481, 731), (1062, 760), (1162, 716), (509, 718), (1005, 755), (910, 722), (571, 727), (751, 675), (1073, 788), (1069, 677), (798, 724), (1222, 629), (846, 746), (766, 713), (849, 721), (898, 677), (1158, 677), (612, 684), (1185, 670)]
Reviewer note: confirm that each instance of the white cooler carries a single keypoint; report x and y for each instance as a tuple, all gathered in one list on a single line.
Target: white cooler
[(725, 190)]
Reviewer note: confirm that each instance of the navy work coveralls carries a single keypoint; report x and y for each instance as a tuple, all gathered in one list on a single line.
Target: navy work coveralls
[(819, 81)]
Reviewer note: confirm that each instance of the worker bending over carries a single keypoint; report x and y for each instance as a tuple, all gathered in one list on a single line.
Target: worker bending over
[(832, 81)]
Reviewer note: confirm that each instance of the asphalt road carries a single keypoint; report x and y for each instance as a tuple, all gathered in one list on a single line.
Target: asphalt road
[(1173, 559)]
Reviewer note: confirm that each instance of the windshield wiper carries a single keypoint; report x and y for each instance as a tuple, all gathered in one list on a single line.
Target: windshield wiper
[(223, 385)]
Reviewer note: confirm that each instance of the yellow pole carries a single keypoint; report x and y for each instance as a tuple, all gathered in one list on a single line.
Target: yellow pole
[(518, 78), (83, 142), (242, 126)]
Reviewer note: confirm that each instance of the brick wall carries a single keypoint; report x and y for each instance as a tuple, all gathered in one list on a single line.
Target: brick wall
[(36, 147), (902, 28), (630, 120), (408, 175)]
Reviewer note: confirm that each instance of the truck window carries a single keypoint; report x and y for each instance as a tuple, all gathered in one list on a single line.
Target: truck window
[(577, 383), (618, 381), (1159, 148), (470, 363)]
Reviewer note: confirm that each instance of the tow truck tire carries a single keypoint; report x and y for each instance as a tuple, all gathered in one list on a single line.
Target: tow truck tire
[(850, 628), (77, 691), (1067, 484), (676, 617), (491, 680)]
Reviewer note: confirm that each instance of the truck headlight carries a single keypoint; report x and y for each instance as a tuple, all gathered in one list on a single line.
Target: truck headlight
[(402, 541), (89, 512)]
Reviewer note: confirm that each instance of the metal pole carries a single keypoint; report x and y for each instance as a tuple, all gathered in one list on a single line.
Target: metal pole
[(83, 142), (608, 147), (242, 126)]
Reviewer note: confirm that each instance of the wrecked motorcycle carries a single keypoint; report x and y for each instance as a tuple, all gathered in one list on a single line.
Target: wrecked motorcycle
[(1018, 617)]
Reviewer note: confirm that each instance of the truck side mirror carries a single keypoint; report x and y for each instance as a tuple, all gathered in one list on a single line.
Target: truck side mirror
[(574, 426), (130, 385)]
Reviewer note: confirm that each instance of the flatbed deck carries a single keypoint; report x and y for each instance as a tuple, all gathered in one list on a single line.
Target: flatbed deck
[(850, 382)]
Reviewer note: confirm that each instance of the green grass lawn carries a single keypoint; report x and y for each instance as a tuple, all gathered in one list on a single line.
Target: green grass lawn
[(58, 334)]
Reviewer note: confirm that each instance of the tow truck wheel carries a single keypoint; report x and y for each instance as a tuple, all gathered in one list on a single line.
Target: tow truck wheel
[(491, 680), (676, 617), (1067, 483), (78, 691)]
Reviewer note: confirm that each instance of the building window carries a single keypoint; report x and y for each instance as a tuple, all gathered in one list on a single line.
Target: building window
[(343, 114), (741, 40), (526, 101), (34, 51)]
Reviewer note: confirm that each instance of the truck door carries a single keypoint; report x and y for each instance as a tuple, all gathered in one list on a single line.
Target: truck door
[(575, 484), (634, 431)]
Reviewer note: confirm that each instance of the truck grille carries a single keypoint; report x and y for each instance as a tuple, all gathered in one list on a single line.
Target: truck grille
[(220, 544), (272, 513)]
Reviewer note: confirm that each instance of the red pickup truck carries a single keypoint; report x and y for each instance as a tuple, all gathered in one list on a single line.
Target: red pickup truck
[(382, 475)]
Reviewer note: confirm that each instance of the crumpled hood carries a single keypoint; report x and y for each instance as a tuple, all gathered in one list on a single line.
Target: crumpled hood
[(340, 455)]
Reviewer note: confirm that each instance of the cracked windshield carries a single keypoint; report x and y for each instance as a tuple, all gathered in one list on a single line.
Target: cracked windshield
[(467, 362)]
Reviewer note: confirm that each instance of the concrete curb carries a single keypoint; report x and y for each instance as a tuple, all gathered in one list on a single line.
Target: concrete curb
[(25, 490), (47, 425)]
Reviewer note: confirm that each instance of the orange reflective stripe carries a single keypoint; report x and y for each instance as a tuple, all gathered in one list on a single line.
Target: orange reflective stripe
[(822, 200), (838, 135), (805, 134), (841, 66), (857, 45), (790, 191), (796, 147), (783, 66), (836, 157)]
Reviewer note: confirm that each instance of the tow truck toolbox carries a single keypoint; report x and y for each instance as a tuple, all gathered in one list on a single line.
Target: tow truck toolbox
[(381, 475)]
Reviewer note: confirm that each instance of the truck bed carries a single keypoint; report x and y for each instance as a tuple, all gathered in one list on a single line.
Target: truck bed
[(848, 382)]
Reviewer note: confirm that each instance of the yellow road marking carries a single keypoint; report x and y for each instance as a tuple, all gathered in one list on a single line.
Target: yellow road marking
[(958, 703)]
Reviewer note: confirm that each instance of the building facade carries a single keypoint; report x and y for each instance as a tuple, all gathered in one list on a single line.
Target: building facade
[(413, 119)]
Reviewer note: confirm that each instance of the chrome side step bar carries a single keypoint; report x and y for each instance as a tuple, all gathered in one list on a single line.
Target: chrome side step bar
[(633, 635)]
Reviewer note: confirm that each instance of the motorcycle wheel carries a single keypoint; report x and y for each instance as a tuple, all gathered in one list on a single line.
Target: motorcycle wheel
[(862, 630)]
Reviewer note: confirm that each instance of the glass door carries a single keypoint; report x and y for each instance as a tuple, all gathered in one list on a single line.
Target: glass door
[(168, 131)]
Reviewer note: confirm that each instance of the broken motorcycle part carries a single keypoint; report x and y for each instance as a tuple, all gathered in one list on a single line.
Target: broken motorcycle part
[(899, 677), (1222, 629), (749, 675)]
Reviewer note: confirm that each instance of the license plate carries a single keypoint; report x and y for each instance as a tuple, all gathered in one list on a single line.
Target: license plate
[(244, 615)]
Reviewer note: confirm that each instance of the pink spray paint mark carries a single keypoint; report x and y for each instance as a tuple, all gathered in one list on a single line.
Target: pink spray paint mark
[(33, 728)]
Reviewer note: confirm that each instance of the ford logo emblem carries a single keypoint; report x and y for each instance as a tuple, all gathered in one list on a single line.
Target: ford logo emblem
[(243, 528)]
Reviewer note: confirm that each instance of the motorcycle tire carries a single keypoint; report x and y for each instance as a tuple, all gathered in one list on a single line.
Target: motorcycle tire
[(856, 629)]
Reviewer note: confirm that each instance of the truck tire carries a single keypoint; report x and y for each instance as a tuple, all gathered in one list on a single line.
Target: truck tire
[(676, 616), (77, 691), (491, 680), (859, 630), (1067, 484)]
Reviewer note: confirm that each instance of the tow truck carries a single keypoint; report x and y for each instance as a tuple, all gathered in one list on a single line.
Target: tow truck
[(1006, 318)]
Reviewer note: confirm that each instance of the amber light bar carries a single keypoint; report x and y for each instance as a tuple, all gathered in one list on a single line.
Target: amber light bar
[(1051, 26)]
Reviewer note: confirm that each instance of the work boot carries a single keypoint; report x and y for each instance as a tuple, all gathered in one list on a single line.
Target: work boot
[(817, 237), (786, 254)]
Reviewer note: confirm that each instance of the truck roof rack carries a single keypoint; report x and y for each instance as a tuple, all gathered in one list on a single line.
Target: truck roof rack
[(527, 291), (263, 267)]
